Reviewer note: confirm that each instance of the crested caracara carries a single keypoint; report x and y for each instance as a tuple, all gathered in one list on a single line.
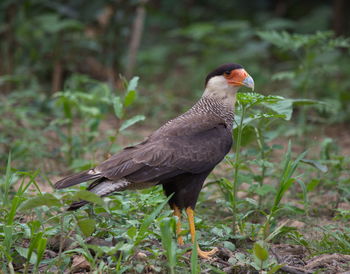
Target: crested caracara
[(179, 155)]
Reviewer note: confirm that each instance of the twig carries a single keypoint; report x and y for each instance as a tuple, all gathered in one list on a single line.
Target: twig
[(289, 269), (136, 34), (56, 76), (326, 259)]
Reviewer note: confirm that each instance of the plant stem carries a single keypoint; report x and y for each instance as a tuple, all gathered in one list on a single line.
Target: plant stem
[(61, 243), (70, 142), (260, 141), (237, 164)]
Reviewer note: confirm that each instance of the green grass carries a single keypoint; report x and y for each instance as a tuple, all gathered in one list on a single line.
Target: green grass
[(135, 223), (136, 228)]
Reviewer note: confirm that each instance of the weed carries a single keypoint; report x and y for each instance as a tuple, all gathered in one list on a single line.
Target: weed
[(89, 101)]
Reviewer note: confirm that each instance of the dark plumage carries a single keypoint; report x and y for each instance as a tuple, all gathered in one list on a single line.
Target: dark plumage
[(180, 154)]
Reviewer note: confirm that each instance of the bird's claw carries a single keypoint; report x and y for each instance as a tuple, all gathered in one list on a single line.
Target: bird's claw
[(180, 241), (206, 254)]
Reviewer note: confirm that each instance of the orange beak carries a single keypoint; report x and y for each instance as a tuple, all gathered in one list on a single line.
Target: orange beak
[(239, 77)]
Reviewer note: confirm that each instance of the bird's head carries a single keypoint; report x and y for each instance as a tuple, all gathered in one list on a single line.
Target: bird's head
[(230, 75), (224, 82)]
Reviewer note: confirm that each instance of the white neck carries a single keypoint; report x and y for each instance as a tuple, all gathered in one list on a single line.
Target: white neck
[(218, 88)]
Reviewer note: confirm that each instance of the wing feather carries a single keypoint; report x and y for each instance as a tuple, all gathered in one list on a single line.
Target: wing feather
[(164, 154), (170, 155)]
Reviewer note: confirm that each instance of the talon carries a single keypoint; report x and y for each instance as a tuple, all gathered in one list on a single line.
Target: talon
[(177, 213), (201, 253), (180, 241), (206, 254)]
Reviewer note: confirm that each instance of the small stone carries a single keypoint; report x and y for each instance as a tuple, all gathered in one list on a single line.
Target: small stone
[(80, 264), (297, 224), (141, 256), (344, 206)]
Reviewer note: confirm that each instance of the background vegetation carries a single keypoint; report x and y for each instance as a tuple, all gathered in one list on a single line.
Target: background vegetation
[(70, 97)]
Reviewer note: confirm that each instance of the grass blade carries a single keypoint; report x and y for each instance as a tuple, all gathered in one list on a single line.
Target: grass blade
[(194, 258), (40, 252), (146, 223), (166, 230), (7, 183)]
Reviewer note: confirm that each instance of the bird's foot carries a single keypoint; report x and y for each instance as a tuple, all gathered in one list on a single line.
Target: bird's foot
[(206, 254), (180, 241)]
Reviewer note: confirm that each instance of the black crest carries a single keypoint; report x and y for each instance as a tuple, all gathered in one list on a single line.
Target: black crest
[(220, 70)]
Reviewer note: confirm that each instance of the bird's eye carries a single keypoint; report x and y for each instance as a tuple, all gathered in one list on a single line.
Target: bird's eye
[(227, 72)]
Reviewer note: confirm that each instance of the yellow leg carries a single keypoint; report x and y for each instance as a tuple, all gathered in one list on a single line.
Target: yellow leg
[(177, 213), (201, 253)]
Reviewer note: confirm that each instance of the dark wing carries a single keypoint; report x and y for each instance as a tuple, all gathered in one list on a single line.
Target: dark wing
[(77, 178), (116, 167), (169, 156), (177, 147)]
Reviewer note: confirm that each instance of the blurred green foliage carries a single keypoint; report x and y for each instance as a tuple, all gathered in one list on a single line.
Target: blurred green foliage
[(58, 46)]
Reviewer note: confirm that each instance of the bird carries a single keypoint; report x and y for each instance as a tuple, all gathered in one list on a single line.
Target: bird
[(179, 155)]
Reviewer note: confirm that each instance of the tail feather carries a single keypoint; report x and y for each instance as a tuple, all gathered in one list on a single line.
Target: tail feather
[(78, 178), (102, 187), (76, 205)]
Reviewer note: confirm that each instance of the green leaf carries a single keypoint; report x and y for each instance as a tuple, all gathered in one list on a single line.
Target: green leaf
[(52, 23), (250, 98), (87, 226), (195, 268), (265, 189), (260, 252), (267, 115), (118, 107), (198, 31), (241, 258), (87, 196), (313, 184), (89, 110), (283, 75), (127, 248), (84, 96), (146, 223), (132, 231), (216, 270), (24, 253), (248, 134), (8, 237), (277, 231), (35, 239), (229, 245), (303, 102), (131, 121), (252, 202), (46, 199), (283, 107), (168, 242), (133, 83), (7, 183), (285, 40), (322, 40), (274, 269), (40, 251), (303, 187), (316, 164), (129, 97), (289, 167)]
